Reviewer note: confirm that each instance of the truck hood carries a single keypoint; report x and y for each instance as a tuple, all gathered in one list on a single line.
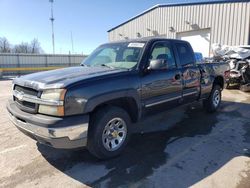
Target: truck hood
[(61, 78)]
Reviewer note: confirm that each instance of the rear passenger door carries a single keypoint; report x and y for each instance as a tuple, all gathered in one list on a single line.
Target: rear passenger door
[(190, 72)]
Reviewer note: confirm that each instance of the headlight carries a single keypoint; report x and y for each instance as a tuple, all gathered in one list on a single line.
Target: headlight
[(52, 95)]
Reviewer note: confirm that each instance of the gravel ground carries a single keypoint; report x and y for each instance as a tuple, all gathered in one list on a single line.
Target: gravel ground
[(200, 150)]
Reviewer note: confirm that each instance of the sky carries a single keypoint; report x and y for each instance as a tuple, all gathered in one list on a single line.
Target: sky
[(87, 20)]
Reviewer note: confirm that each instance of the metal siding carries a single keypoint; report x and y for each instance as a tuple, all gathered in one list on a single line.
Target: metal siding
[(36, 61), (215, 22), (189, 17), (238, 31), (234, 24), (226, 24), (229, 22), (247, 28), (171, 21), (242, 22), (164, 14), (219, 26)]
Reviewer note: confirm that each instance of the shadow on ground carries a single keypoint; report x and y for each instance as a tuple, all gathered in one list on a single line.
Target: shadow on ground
[(149, 152), (6, 78)]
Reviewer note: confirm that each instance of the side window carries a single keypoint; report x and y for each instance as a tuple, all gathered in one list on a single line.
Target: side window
[(163, 50), (185, 54)]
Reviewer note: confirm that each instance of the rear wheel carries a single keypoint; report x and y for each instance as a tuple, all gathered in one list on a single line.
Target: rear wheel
[(109, 132), (213, 102)]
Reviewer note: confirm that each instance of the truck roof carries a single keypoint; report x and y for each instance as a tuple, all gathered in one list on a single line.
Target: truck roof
[(145, 39)]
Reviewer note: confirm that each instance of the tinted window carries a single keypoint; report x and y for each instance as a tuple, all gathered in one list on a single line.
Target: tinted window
[(163, 50), (185, 54)]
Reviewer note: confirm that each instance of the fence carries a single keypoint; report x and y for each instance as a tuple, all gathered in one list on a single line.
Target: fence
[(19, 64)]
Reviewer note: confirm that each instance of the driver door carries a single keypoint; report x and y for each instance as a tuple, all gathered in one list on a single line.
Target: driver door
[(162, 87)]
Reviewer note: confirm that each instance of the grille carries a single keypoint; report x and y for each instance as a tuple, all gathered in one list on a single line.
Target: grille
[(26, 90), (25, 105)]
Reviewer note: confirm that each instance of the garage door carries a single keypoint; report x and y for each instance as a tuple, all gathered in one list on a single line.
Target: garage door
[(199, 39)]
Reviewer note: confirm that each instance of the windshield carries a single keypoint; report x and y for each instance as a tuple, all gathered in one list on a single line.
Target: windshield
[(116, 55)]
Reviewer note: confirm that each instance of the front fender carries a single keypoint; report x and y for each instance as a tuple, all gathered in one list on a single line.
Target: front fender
[(94, 101), (77, 102)]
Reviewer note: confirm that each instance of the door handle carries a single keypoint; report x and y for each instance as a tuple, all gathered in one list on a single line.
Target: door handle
[(177, 77)]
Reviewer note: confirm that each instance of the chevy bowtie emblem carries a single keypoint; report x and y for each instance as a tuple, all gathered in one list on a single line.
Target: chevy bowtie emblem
[(20, 95)]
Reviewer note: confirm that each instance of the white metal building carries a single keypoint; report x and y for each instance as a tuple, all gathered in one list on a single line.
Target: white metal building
[(226, 22)]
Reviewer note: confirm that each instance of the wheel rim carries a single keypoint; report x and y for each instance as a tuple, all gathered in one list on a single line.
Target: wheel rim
[(216, 98), (114, 134)]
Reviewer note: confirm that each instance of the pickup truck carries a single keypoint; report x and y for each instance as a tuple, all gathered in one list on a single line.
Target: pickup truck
[(96, 104)]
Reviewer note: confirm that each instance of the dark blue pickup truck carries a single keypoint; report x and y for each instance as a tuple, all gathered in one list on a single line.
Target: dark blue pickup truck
[(96, 104)]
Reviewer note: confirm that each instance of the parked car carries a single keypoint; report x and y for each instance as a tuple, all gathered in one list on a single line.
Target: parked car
[(198, 57), (95, 105)]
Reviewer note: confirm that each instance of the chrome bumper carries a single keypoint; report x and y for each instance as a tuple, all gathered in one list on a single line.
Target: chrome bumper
[(68, 132)]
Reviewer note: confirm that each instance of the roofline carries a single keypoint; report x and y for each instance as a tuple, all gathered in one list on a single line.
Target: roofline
[(143, 39), (176, 4)]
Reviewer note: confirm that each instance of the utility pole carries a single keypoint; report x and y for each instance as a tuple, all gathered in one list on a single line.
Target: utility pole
[(72, 43), (52, 19)]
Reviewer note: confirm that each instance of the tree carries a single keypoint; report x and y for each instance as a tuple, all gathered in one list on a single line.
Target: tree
[(35, 46), (22, 48), (4, 45), (32, 47)]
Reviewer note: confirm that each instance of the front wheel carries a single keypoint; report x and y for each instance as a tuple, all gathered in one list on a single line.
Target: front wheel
[(213, 102), (109, 132)]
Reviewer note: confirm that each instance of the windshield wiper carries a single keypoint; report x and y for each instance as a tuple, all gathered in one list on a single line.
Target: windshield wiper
[(105, 65)]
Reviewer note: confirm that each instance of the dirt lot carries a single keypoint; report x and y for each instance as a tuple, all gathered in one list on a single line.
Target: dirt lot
[(201, 150)]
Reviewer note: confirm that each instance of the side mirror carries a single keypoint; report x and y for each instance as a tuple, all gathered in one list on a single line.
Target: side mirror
[(158, 64)]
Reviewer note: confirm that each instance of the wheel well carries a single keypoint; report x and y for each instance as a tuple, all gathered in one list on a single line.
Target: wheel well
[(126, 103), (219, 81)]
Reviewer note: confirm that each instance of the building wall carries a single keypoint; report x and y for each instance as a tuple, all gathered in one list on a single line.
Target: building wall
[(229, 22)]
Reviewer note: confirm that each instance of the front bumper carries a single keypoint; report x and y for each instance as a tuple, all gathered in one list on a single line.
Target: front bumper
[(58, 132)]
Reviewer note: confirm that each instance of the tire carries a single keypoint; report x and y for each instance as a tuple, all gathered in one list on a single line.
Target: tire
[(104, 141), (213, 102)]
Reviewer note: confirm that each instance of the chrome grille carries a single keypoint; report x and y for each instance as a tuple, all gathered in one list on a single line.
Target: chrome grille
[(26, 90), (25, 105)]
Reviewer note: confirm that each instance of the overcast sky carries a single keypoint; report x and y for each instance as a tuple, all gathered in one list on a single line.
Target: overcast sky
[(88, 20)]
